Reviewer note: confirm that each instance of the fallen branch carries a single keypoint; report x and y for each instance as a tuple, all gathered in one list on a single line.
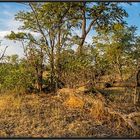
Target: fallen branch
[(133, 114), (126, 118)]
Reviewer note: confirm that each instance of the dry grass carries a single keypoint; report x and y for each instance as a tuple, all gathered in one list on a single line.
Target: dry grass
[(69, 113), (97, 109), (74, 102), (9, 101)]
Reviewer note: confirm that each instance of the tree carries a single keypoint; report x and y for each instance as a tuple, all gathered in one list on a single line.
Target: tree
[(49, 21), (54, 23), (135, 53), (116, 46), (34, 54), (96, 15)]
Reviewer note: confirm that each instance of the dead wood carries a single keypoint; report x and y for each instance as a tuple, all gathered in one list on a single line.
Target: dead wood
[(126, 118), (2, 55)]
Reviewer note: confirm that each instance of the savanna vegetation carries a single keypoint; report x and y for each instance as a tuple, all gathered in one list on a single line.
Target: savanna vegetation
[(65, 86)]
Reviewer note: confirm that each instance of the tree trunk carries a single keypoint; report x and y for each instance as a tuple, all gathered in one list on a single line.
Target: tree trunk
[(39, 71), (53, 86), (39, 80), (58, 64), (39, 74), (119, 66), (137, 89), (83, 37), (52, 72)]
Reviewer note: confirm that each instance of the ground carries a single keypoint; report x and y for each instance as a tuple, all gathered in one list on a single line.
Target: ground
[(67, 113)]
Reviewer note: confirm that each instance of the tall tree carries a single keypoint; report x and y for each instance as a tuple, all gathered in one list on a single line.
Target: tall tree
[(97, 15), (49, 20)]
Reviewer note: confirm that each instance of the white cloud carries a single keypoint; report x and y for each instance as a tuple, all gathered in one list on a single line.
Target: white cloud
[(7, 13), (89, 39), (4, 33), (9, 24), (13, 47)]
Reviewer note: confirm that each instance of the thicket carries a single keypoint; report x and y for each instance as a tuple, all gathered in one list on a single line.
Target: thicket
[(55, 56)]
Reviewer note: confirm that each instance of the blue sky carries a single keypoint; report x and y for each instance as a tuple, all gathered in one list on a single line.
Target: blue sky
[(7, 22)]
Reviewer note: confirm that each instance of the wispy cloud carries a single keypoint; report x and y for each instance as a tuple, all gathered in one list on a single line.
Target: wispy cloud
[(5, 33), (13, 48), (128, 6), (8, 24)]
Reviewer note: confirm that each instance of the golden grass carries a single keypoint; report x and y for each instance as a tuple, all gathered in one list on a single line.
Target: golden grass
[(97, 109), (77, 114), (82, 89), (74, 102), (9, 101)]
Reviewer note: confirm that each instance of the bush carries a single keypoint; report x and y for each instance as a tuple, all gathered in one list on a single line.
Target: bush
[(15, 76)]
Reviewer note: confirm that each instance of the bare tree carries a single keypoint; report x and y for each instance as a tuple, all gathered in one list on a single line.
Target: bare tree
[(3, 53)]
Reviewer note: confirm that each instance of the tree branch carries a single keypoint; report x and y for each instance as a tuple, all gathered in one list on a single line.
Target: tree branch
[(39, 26), (3, 53)]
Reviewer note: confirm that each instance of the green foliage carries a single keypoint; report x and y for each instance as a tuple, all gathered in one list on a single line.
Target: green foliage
[(114, 48), (14, 76)]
